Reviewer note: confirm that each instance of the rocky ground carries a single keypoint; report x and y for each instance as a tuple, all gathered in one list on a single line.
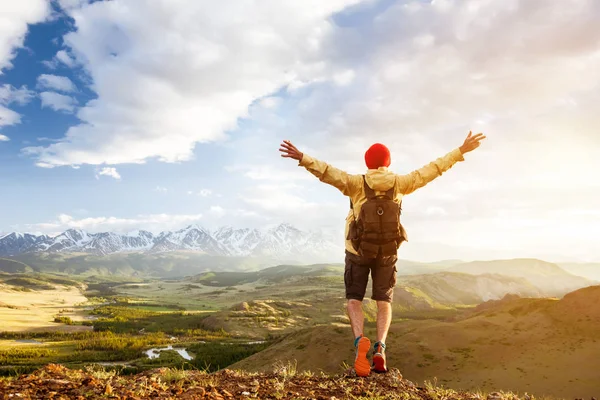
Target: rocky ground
[(57, 382)]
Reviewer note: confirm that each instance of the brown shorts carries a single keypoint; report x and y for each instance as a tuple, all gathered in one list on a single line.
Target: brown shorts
[(383, 273)]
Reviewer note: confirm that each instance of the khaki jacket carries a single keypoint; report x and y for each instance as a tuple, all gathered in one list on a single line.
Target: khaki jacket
[(380, 180)]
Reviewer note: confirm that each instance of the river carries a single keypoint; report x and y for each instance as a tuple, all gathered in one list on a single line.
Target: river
[(155, 353)]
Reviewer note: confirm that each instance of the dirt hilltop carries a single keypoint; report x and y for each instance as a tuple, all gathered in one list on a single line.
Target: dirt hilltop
[(57, 382)]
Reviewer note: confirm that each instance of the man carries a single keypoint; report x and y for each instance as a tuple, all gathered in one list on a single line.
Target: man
[(375, 184)]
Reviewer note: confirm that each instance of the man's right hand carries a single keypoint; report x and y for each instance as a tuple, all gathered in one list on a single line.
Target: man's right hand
[(471, 142), (288, 150)]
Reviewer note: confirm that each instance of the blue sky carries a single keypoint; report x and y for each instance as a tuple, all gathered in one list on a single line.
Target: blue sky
[(176, 110)]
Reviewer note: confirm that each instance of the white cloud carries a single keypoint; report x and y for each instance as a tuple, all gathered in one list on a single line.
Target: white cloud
[(14, 18), (424, 74), (65, 58), (58, 102), (4, 138), (161, 189), (8, 95), (294, 203), (270, 102), (416, 77), (344, 78), (205, 192), (108, 171), (61, 57), (55, 82), (221, 57), (272, 173), (8, 117), (68, 5), (153, 223), (217, 211)]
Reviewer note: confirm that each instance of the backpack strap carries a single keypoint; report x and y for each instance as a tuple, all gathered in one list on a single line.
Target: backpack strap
[(370, 193), (390, 193)]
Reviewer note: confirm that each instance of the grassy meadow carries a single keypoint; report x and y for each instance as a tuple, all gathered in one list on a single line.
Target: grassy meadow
[(219, 318), (255, 320)]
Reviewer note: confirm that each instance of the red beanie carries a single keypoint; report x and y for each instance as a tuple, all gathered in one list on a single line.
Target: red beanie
[(378, 156)]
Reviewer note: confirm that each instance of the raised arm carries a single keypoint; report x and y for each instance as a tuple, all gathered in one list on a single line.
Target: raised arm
[(406, 184), (343, 181)]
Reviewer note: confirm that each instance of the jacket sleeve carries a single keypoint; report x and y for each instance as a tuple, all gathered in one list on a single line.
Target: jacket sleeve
[(407, 184), (343, 181)]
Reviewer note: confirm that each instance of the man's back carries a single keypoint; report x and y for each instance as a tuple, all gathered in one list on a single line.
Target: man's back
[(379, 179)]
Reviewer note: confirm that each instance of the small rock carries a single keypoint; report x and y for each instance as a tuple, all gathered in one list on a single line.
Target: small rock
[(88, 381), (494, 396), (395, 374), (245, 393), (216, 396), (200, 392)]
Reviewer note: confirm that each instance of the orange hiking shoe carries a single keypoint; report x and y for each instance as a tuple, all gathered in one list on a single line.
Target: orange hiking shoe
[(379, 365), (361, 363)]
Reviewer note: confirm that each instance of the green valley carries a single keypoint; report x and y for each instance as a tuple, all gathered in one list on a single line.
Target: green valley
[(446, 324)]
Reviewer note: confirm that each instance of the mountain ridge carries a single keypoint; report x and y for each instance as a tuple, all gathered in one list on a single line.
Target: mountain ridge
[(550, 277), (283, 241)]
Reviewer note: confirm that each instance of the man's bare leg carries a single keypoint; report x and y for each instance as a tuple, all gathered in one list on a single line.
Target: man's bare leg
[(363, 344), (384, 319), (357, 318)]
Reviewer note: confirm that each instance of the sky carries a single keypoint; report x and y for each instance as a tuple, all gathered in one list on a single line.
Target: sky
[(129, 114)]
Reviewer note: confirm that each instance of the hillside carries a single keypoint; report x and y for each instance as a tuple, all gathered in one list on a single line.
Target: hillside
[(165, 265), (541, 346), (270, 275), (14, 266), (288, 298), (548, 277), (55, 381), (587, 270), (407, 267), (452, 288)]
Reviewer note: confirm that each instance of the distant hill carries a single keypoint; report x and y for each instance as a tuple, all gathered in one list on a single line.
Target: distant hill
[(406, 267), (448, 263), (176, 264), (288, 298), (548, 277), (164, 265), (453, 288), (37, 281), (14, 266), (586, 270), (546, 347), (268, 275)]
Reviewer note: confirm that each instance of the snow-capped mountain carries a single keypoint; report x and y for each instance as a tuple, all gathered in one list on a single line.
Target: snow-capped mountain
[(281, 242), (192, 238)]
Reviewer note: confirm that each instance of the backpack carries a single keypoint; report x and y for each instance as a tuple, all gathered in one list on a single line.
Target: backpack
[(377, 230)]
